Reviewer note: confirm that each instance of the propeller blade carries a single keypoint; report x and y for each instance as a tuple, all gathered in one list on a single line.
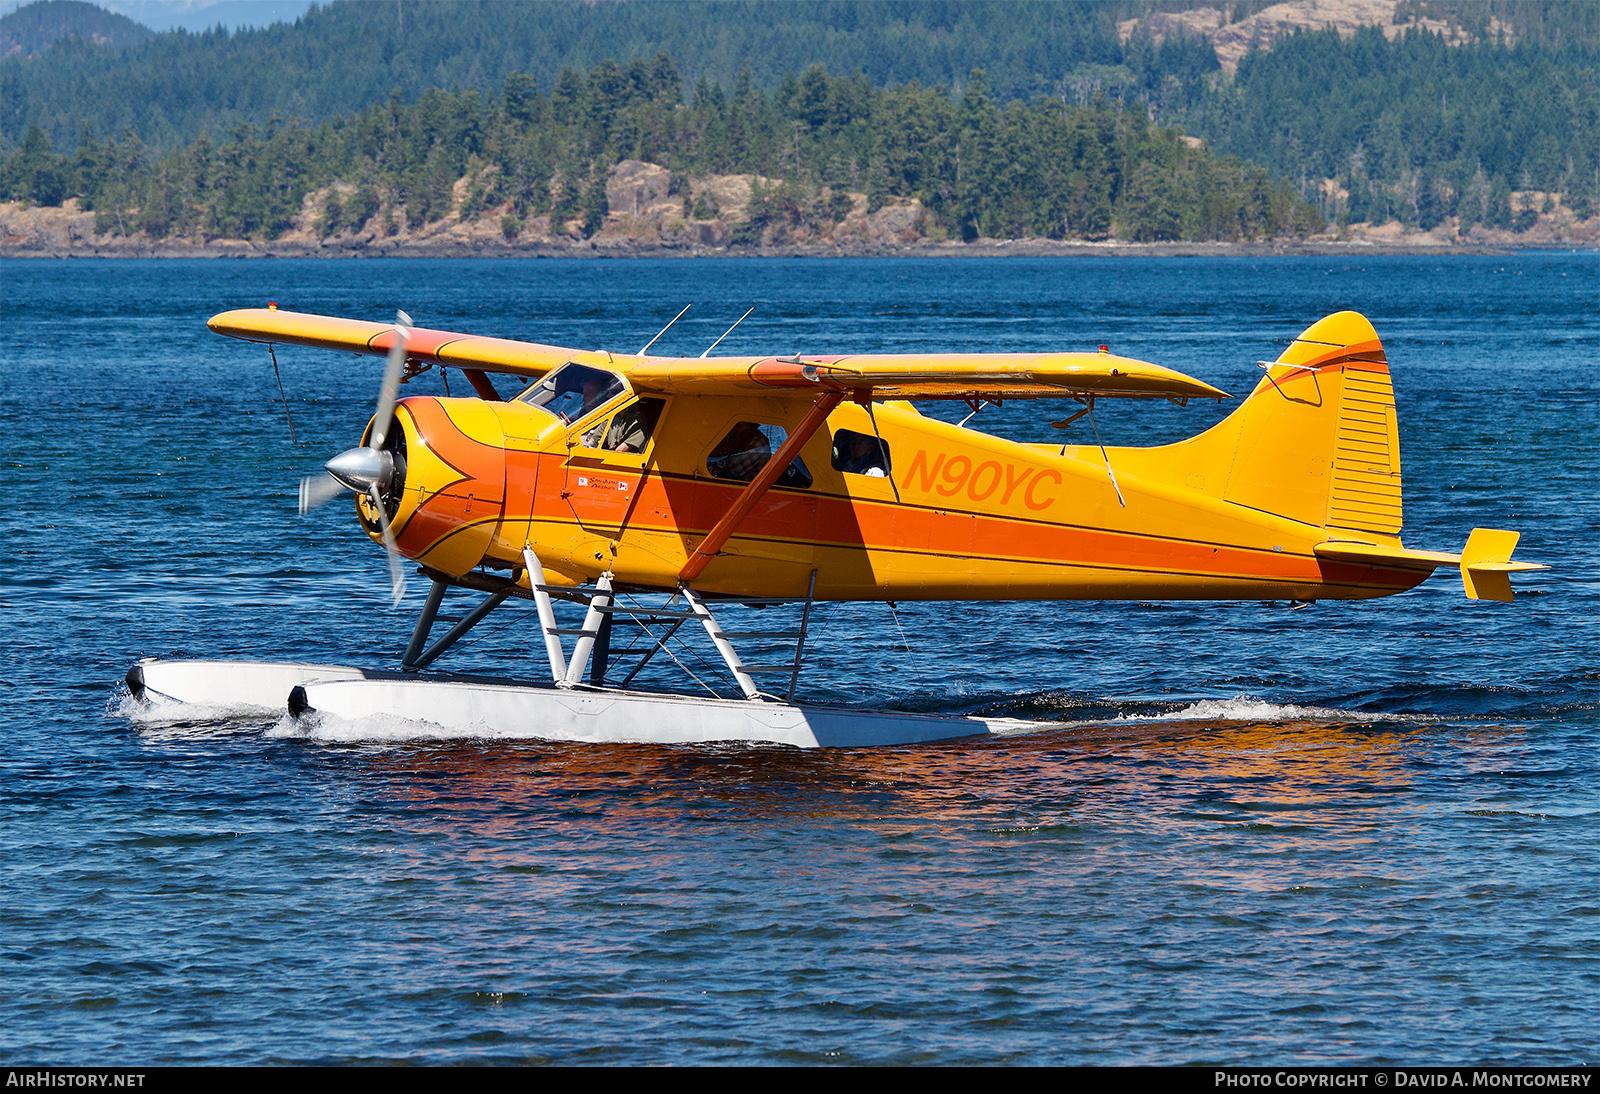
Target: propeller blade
[(397, 574), (318, 490), (391, 380)]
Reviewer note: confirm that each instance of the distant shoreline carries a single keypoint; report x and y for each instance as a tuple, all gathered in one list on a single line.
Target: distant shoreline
[(982, 248), (645, 223)]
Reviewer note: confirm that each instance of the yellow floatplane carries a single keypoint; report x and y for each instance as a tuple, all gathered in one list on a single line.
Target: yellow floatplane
[(738, 480)]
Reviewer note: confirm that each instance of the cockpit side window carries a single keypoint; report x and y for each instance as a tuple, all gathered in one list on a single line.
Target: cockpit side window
[(628, 431), (631, 428), (572, 391)]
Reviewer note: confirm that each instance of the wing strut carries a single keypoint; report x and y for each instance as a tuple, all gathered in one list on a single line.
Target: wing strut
[(480, 383), (787, 451), (883, 449), (273, 353)]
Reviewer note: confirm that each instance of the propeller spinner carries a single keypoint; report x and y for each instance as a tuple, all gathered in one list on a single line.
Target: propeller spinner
[(369, 469)]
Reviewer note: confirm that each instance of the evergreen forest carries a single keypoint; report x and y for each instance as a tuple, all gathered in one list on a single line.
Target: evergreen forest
[(1411, 129), (1008, 118), (979, 167)]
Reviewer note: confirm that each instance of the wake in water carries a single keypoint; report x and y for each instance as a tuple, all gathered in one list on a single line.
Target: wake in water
[(386, 729), (1067, 712), (186, 721), (148, 717), (1246, 708)]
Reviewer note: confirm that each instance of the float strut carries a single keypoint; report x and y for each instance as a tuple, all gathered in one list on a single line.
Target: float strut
[(460, 629), (800, 646), (601, 660), (724, 647), (424, 624), (661, 644), (591, 628), (547, 614)]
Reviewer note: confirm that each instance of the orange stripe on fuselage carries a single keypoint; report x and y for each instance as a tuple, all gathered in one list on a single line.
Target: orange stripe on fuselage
[(885, 527)]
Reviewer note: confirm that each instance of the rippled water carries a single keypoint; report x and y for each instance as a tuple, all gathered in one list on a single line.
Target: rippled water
[(1352, 833)]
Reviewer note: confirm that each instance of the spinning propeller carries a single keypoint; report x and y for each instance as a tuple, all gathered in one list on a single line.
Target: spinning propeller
[(370, 469)]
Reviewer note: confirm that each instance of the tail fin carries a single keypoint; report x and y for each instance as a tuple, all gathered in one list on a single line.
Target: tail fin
[(1316, 441), (1486, 564)]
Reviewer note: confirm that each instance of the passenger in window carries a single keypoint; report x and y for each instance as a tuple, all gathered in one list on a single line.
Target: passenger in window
[(742, 453), (745, 451), (594, 393), (858, 454), (795, 475)]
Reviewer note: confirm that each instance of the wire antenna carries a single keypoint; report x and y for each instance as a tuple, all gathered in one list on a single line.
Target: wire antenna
[(727, 332), (664, 329)]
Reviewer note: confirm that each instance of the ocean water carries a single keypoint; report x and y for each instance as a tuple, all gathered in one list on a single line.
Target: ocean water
[(1351, 833)]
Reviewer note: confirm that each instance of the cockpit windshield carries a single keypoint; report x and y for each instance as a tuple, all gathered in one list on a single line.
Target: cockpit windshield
[(572, 391)]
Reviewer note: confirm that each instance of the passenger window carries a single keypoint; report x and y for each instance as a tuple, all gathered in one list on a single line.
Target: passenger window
[(860, 454), (572, 391), (745, 451), (631, 429)]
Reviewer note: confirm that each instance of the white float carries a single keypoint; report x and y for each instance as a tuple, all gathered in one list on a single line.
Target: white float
[(475, 707)]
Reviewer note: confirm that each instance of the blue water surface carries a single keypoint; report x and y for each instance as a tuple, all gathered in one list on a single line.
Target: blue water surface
[(1354, 833)]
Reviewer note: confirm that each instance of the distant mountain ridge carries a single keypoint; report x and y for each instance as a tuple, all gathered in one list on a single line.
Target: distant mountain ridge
[(30, 31), (1413, 111), (348, 55)]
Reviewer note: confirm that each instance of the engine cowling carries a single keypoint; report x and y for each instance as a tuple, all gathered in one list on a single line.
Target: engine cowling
[(446, 496)]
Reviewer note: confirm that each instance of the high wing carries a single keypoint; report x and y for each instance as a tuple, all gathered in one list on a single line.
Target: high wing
[(466, 351), (879, 376)]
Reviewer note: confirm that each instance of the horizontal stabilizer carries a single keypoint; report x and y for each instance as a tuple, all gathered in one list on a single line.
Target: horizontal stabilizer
[(1485, 562), (1402, 558)]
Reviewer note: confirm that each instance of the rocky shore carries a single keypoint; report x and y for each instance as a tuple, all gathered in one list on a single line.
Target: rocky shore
[(647, 218)]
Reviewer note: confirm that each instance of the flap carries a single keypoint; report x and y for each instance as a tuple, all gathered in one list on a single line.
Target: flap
[(924, 376)]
